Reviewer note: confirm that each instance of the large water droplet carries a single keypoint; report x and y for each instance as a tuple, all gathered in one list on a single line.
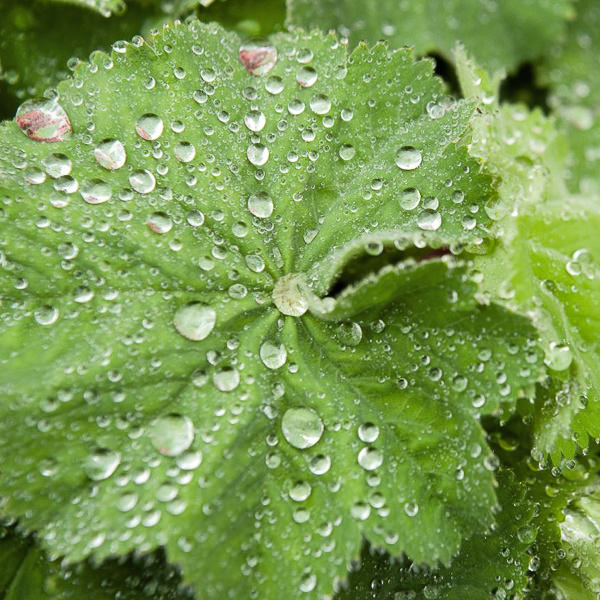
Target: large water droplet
[(255, 121), (368, 432), (300, 491), (43, 121), (429, 220), (95, 191), (288, 297), (195, 321), (226, 379), (370, 458), (149, 126), (320, 104), (558, 356), (301, 427), (101, 464), (142, 181), (172, 434), (258, 154), (408, 158), (57, 165), (258, 58), (260, 205), (273, 355), (410, 198), (184, 152), (306, 76), (46, 315), (159, 222), (110, 154)]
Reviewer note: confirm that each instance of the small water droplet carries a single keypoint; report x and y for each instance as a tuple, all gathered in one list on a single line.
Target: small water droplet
[(43, 121), (101, 464), (260, 205), (46, 315), (195, 321), (226, 379), (368, 432), (302, 427), (408, 158), (172, 434), (149, 126), (320, 464), (258, 58), (306, 76), (159, 222), (110, 154), (273, 355), (411, 508), (347, 152), (255, 120)]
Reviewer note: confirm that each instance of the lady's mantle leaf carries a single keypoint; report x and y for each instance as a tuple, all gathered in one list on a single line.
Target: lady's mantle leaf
[(27, 574), (499, 34), (171, 372)]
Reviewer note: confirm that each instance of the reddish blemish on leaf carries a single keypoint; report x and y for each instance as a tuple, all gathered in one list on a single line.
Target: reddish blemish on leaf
[(43, 121)]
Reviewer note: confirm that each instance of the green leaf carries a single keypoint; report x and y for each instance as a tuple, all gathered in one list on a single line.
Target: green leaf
[(105, 7), (27, 574), (175, 373), (488, 565), (572, 74), (500, 35)]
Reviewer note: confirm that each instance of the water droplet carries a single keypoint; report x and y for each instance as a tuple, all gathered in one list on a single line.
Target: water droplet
[(195, 218), (184, 152), (301, 427), (260, 205), (368, 432), (288, 297), (46, 315), (320, 464), (258, 58), (370, 458), (273, 355), (95, 191), (195, 321), (349, 334), (172, 434), (189, 461), (226, 379), (255, 121), (360, 511), (429, 220), (110, 154), (258, 154), (408, 158), (43, 121), (558, 356), (320, 104), (159, 222), (142, 181), (300, 491), (411, 508), (149, 126), (410, 198), (101, 464), (57, 165), (306, 76), (347, 152), (308, 582)]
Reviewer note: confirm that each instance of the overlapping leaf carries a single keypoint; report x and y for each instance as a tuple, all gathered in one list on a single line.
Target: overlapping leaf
[(162, 384), (499, 34)]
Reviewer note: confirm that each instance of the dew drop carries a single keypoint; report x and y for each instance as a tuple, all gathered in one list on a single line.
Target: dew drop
[(172, 434), (149, 126), (411, 509), (347, 152), (368, 432), (288, 297), (110, 154), (429, 220), (226, 379), (255, 121), (301, 427), (43, 121), (308, 582), (159, 222), (258, 58), (300, 491), (408, 158), (320, 464), (195, 218), (260, 205), (57, 165), (410, 198), (558, 356), (370, 458), (320, 104), (142, 181), (306, 76), (46, 315), (273, 355), (195, 321), (184, 152), (95, 191), (101, 464), (258, 154), (189, 460)]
